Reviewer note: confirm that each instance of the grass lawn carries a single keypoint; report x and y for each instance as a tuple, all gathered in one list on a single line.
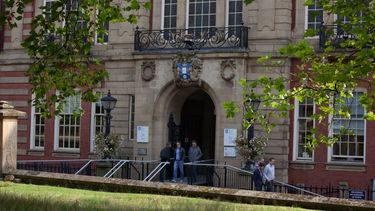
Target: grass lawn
[(15, 196)]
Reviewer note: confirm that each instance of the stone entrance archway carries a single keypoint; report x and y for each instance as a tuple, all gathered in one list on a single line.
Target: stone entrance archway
[(180, 103)]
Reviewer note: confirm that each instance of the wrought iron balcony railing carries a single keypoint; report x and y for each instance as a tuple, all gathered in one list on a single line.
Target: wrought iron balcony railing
[(335, 35), (191, 39)]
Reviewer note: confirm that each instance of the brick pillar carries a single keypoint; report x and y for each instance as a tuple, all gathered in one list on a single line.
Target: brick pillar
[(8, 137)]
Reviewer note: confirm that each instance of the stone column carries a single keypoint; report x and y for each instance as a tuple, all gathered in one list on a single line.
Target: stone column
[(8, 137)]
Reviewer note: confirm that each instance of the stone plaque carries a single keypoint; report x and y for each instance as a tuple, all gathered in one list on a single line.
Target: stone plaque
[(142, 151)]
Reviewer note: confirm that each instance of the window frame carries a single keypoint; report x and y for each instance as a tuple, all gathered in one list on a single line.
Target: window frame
[(296, 133), (33, 127), (307, 22), (188, 14), (227, 13), (57, 130), (330, 134), (93, 125), (163, 15)]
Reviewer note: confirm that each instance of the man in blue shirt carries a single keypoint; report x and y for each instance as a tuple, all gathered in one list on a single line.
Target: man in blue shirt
[(269, 174), (179, 155)]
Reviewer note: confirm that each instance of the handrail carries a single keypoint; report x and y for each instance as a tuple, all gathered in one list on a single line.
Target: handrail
[(157, 169), (117, 169), (152, 177), (251, 173), (113, 168), (145, 179), (80, 170)]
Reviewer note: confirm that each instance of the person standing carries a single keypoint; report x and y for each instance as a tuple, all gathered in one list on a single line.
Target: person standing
[(179, 156), (195, 154), (269, 174), (165, 156), (258, 177), (260, 160)]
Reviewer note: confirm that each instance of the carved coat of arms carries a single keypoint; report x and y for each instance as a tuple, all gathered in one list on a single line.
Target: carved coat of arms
[(187, 69)]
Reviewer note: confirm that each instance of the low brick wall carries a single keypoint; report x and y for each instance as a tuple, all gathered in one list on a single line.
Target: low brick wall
[(225, 194)]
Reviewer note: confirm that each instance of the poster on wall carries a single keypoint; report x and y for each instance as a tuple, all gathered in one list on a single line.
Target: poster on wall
[(229, 152), (142, 134), (229, 137)]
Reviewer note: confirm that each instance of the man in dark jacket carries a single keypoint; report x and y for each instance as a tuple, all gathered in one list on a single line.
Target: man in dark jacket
[(195, 154), (258, 177), (165, 156), (179, 156)]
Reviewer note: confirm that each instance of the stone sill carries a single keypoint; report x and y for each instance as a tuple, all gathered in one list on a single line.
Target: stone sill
[(305, 165), (36, 152), (345, 166), (64, 154)]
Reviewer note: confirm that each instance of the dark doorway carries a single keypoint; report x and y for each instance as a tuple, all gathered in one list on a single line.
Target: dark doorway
[(198, 123)]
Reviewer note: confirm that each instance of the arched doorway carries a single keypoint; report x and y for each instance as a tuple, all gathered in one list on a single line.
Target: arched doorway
[(198, 123)]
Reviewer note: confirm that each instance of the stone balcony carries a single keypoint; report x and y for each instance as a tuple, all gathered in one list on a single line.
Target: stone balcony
[(213, 38)]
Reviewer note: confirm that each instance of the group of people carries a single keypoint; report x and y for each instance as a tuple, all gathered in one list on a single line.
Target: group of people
[(177, 156), (264, 174)]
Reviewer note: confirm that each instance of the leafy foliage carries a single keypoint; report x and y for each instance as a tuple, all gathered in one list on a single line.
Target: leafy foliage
[(59, 44), (322, 75)]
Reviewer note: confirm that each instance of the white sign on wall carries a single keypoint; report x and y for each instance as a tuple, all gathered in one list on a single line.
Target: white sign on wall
[(229, 137), (229, 152), (142, 134)]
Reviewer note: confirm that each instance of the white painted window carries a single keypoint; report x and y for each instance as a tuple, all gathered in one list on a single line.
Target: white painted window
[(37, 133), (97, 120), (234, 13), (234, 17), (131, 117), (350, 146), (169, 15), (302, 129), (67, 125), (201, 14), (314, 16)]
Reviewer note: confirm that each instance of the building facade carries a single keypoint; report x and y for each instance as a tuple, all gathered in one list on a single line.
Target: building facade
[(222, 41)]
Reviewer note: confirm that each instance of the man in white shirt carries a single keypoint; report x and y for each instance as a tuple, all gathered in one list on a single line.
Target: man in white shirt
[(269, 174)]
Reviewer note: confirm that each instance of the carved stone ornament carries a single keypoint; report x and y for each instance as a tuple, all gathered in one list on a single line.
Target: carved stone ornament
[(187, 68), (148, 70), (228, 68)]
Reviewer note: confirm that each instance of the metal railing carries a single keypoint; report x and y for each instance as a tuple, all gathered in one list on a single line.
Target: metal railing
[(208, 173), (336, 35), (126, 169), (191, 39)]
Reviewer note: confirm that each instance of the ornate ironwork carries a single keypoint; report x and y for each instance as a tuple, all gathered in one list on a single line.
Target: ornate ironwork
[(191, 39), (335, 35)]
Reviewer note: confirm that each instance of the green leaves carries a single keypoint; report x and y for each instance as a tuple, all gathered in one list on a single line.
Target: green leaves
[(60, 43), (320, 74), (231, 108)]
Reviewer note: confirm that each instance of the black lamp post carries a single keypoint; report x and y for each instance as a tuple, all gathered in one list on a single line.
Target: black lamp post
[(108, 104), (254, 104)]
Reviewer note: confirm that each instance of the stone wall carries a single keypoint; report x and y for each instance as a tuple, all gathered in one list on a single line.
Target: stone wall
[(223, 194)]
